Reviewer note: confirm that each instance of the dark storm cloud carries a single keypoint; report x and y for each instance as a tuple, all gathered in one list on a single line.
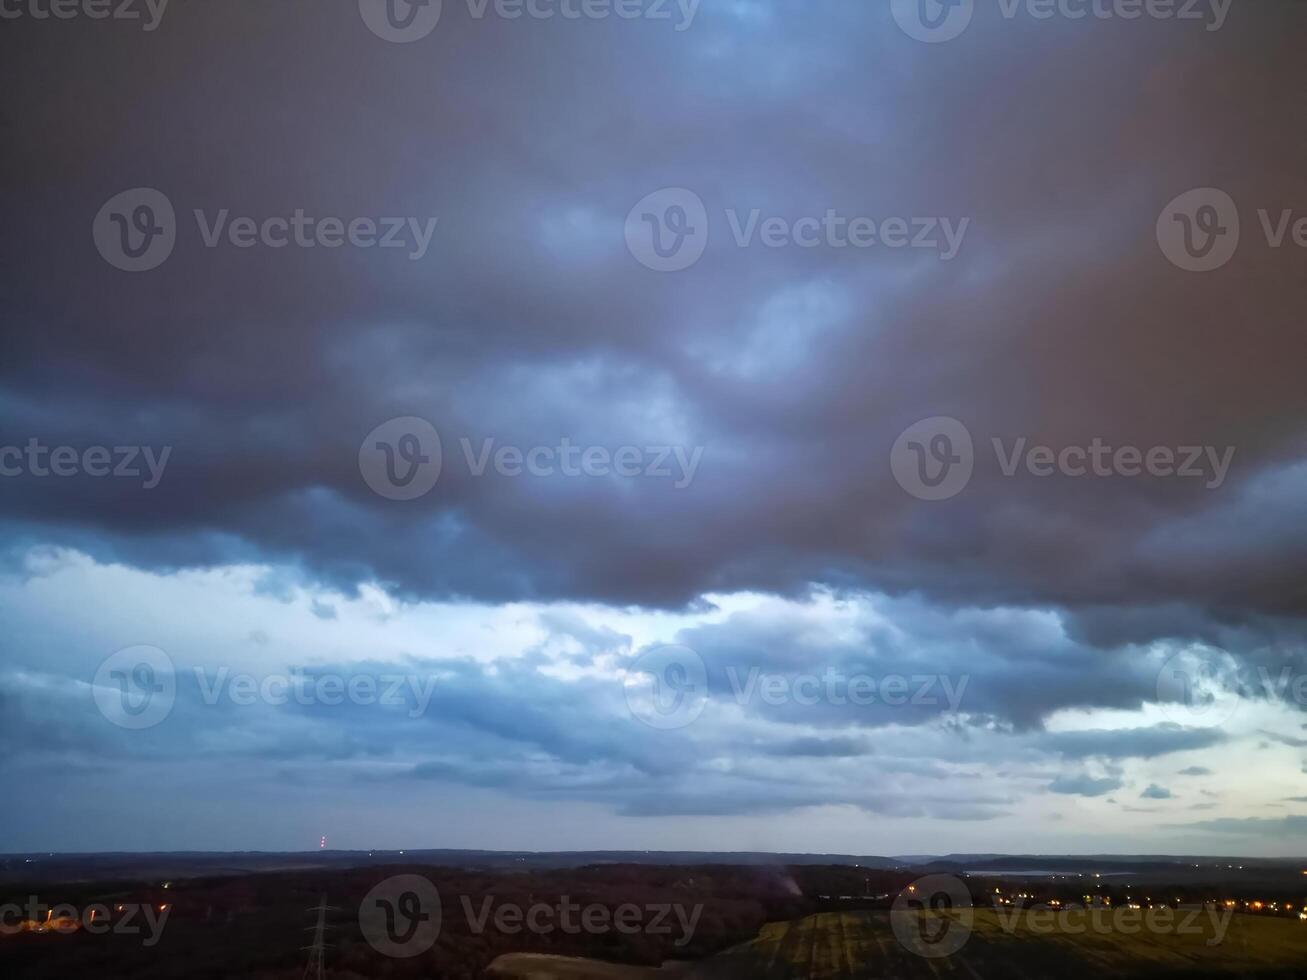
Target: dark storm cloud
[(528, 322), (907, 661)]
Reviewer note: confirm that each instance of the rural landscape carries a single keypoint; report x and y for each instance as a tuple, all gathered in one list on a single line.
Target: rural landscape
[(653, 489), (729, 916)]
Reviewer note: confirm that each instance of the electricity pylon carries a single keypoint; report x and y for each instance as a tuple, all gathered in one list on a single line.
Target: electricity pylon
[(315, 969)]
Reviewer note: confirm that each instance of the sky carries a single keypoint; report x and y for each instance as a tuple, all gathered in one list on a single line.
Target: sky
[(785, 425)]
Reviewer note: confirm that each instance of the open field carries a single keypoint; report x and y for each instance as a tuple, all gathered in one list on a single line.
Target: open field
[(840, 945), (539, 966), (862, 945), (751, 923), (1251, 944)]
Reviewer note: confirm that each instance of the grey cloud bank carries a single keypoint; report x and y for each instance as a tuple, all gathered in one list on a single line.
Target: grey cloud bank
[(780, 550)]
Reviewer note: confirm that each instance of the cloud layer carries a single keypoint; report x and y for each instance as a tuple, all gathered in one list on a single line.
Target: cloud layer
[(1040, 609)]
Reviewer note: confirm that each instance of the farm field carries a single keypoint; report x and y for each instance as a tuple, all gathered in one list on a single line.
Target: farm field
[(862, 945), (1252, 945), (840, 945), (540, 966)]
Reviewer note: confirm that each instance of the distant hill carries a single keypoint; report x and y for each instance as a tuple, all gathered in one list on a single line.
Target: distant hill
[(193, 864)]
